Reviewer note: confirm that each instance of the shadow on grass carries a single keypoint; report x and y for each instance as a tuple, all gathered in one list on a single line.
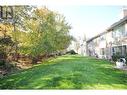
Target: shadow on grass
[(68, 72)]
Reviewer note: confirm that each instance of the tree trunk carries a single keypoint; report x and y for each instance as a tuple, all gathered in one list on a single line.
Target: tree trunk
[(34, 60)]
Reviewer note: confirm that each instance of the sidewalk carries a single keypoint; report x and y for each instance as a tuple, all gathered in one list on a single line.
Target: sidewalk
[(123, 68)]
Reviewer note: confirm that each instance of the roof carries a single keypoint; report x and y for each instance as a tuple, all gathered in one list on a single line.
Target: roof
[(97, 36), (121, 21)]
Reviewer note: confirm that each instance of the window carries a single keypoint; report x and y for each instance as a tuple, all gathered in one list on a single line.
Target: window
[(3, 11), (9, 12), (119, 31), (102, 38), (113, 50), (102, 52), (0, 11), (117, 50), (6, 12), (124, 50)]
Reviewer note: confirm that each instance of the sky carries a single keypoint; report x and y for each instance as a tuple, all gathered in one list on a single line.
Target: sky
[(88, 20)]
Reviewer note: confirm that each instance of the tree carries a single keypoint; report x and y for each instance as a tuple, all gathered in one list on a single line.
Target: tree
[(6, 44), (46, 32)]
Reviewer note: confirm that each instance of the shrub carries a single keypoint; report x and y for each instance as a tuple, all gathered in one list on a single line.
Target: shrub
[(71, 52), (3, 57), (116, 56), (2, 62)]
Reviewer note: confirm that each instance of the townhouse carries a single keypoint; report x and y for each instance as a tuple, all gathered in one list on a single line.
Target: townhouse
[(112, 41)]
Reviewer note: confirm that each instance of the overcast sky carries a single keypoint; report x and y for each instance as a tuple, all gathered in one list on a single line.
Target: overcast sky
[(89, 20)]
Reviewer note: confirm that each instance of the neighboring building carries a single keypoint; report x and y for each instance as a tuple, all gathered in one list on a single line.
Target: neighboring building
[(79, 46), (112, 41), (82, 49)]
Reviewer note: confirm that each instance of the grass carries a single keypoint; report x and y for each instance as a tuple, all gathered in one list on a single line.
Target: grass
[(68, 72)]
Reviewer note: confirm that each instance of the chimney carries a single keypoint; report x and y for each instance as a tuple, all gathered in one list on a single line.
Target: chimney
[(124, 11)]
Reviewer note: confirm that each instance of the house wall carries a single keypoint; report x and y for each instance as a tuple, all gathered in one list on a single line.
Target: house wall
[(120, 39), (119, 31), (110, 43)]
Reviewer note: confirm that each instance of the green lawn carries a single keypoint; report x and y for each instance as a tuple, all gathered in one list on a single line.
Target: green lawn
[(68, 72)]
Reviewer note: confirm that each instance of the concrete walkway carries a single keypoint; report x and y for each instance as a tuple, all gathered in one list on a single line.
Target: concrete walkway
[(124, 68)]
